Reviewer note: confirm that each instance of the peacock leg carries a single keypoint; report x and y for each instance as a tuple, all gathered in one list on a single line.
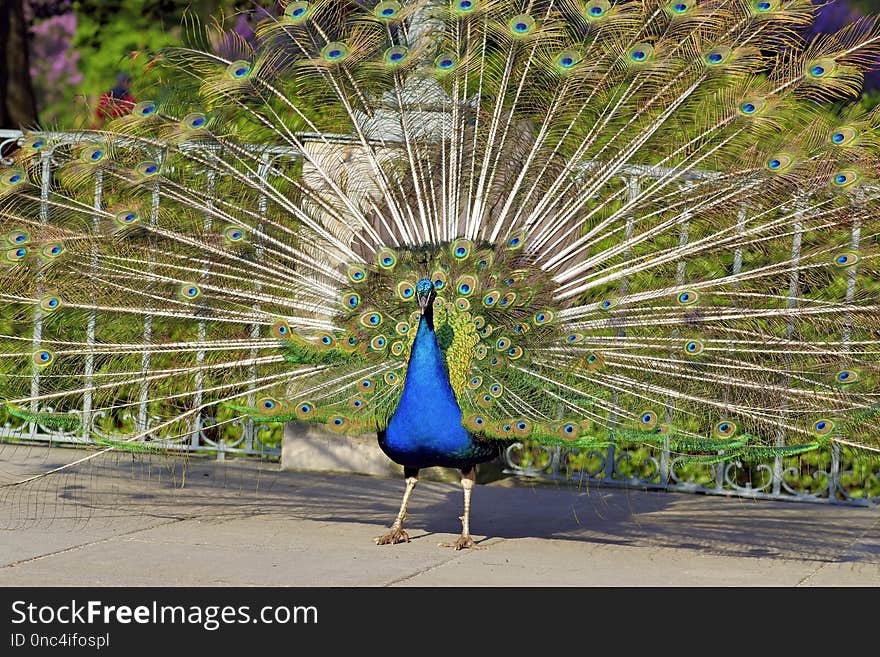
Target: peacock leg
[(468, 478), (397, 534)]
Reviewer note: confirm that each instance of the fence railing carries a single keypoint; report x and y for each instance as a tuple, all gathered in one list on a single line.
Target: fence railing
[(833, 476)]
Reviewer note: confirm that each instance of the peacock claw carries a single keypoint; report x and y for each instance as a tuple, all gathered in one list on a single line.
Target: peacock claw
[(464, 542), (396, 535)]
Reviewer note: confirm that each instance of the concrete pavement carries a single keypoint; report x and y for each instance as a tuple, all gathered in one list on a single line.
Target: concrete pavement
[(242, 523)]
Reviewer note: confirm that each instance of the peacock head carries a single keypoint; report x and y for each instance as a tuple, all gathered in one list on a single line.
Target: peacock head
[(426, 293)]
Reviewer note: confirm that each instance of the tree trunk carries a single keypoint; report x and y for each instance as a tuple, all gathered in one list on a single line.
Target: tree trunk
[(18, 106)]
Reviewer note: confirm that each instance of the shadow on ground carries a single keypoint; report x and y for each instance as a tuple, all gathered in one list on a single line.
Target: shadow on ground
[(108, 490)]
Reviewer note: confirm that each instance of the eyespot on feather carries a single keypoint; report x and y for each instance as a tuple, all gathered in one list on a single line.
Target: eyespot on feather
[(595, 10), (508, 300), (823, 427), (145, 109), (34, 144), (718, 56), (446, 62), (406, 290), (233, 234), (678, 8), (147, 169), (693, 347), (396, 56), (305, 410), (521, 26), (846, 377), (724, 429), (515, 241), (281, 330), (847, 259), (641, 53), (568, 60), (126, 217), (338, 423), (543, 317), (194, 121), (238, 70), (843, 137), (53, 250), (335, 52), (50, 303), (648, 420), (466, 285), (764, 7), (18, 237), (269, 405), (357, 404), (819, 69), (92, 154), (751, 107), (388, 10), (371, 319), (43, 357), (522, 427), (568, 430), (386, 259), (189, 291), (466, 7), (16, 255), (779, 163), (844, 179), (356, 273), (475, 422), (461, 249), (297, 13)]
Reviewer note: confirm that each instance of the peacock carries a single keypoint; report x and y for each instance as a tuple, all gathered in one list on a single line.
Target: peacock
[(461, 224)]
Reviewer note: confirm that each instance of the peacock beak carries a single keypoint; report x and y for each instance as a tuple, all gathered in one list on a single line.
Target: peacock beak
[(424, 302)]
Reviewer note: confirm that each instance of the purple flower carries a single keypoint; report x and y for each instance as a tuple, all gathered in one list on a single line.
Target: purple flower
[(53, 64)]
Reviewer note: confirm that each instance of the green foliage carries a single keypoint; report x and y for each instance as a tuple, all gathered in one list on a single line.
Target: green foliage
[(115, 36)]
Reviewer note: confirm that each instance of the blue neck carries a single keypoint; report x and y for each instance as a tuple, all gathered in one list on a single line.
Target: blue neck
[(428, 415), (427, 379)]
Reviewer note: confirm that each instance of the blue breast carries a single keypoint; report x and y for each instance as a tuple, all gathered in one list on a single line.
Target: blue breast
[(426, 428)]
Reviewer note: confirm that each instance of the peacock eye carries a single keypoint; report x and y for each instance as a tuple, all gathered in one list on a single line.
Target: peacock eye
[(387, 9), (238, 70), (446, 61), (144, 109), (396, 54)]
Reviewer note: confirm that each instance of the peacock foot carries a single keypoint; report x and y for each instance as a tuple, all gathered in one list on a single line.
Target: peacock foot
[(396, 535), (464, 542)]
